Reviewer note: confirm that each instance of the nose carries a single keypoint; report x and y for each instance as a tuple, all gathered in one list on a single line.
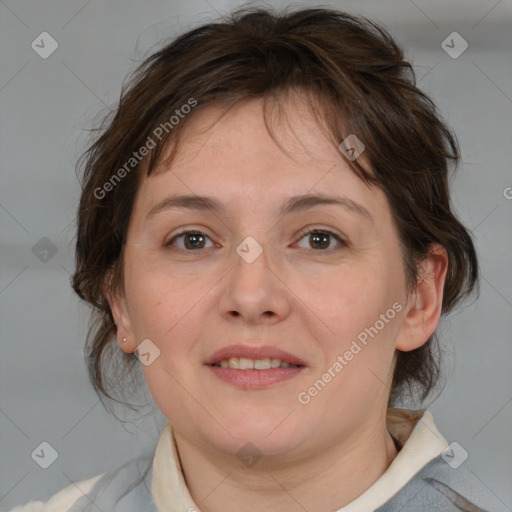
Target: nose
[(254, 292)]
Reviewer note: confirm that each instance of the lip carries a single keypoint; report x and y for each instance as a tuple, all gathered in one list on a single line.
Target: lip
[(254, 379), (261, 352)]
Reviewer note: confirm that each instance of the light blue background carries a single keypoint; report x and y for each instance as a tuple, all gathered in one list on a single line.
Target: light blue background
[(46, 105)]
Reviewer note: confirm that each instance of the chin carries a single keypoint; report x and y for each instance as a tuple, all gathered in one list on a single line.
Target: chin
[(268, 433)]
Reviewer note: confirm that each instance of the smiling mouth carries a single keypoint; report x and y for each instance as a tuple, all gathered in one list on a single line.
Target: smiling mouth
[(254, 374), (244, 363)]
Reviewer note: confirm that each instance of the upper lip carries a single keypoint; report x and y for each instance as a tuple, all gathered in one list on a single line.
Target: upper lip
[(251, 352)]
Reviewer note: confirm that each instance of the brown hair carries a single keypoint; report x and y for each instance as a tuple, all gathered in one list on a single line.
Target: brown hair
[(356, 80)]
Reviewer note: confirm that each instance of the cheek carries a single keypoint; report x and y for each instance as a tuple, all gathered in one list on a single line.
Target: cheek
[(359, 307), (351, 298), (166, 311), (160, 301)]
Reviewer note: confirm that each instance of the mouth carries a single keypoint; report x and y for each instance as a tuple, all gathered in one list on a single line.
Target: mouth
[(244, 363), (254, 368)]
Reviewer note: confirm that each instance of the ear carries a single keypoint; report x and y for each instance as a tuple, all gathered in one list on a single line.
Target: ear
[(424, 306), (117, 303)]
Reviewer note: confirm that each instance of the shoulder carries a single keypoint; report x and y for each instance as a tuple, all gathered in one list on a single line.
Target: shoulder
[(105, 489), (62, 500), (428, 473), (443, 488)]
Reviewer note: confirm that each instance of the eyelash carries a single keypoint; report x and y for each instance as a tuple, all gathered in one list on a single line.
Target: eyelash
[(341, 241)]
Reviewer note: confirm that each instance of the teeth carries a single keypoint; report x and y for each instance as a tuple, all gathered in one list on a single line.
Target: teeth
[(244, 363), (234, 362), (262, 364)]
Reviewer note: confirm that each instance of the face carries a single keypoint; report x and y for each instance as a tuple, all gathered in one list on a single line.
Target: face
[(323, 282)]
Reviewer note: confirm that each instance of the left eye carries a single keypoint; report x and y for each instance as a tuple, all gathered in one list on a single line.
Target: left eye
[(320, 239), (193, 240)]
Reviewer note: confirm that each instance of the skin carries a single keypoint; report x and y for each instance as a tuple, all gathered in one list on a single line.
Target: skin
[(313, 304)]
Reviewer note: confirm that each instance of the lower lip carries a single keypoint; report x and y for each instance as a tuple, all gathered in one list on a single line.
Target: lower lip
[(254, 379)]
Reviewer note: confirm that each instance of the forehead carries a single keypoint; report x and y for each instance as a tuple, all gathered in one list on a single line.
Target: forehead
[(234, 157), (250, 142)]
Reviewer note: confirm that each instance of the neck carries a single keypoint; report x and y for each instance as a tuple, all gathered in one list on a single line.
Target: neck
[(324, 481)]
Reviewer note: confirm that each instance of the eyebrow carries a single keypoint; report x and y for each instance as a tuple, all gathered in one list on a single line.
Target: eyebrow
[(292, 205)]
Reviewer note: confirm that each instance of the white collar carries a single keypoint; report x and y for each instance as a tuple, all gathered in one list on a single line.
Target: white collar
[(419, 446), (415, 431)]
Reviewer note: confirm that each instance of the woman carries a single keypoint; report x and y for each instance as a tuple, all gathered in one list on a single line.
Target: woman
[(265, 229)]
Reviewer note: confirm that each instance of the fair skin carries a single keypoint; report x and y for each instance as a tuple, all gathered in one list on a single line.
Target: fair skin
[(315, 456)]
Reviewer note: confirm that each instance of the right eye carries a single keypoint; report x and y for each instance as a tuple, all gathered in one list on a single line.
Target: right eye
[(192, 241)]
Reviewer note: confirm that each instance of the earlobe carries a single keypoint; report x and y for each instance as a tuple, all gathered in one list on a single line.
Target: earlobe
[(124, 331), (425, 304)]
